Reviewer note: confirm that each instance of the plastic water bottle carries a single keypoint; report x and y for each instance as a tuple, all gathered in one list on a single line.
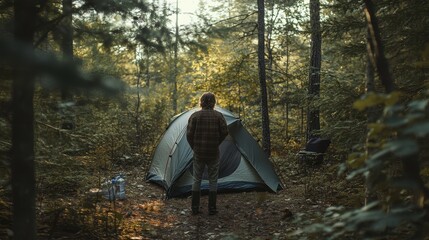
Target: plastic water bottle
[(120, 187), (114, 189)]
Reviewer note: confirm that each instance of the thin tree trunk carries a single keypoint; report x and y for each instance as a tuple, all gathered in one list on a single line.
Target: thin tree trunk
[(67, 32), (67, 49), (175, 59), (287, 75), (147, 67), (266, 140), (313, 121), (138, 104), (302, 128), (287, 121), (270, 49), (22, 165), (371, 118)]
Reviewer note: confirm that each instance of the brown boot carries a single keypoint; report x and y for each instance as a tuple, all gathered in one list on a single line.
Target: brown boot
[(212, 203)]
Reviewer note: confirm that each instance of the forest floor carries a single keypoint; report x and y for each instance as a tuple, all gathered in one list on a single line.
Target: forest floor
[(146, 214), (251, 215)]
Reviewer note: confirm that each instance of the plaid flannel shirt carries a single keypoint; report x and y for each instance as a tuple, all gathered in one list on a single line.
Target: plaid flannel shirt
[(205, 132)]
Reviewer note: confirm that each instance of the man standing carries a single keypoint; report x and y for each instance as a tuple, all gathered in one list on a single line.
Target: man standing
[(205, 132)]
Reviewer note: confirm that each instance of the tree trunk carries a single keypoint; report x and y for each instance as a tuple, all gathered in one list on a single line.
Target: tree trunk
[(176, 42), (313, 121), (22, 165), (287, 76), (372, 117), (67, 49), (270, 49), (376, 50), (137, 118), (266, 140), (287, 121), (67, 32), (302, 127), (147, 67)]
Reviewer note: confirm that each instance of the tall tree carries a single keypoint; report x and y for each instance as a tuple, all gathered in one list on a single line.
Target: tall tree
[(67, 48), (376, 49), (266, 139), (313, 121), (176, 42), (23, 167)]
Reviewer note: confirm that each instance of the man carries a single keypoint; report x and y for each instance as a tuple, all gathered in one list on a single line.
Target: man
[(205, 132)]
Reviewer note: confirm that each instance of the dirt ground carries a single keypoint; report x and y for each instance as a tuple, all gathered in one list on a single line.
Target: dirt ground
[(248, 215), (147, 214)]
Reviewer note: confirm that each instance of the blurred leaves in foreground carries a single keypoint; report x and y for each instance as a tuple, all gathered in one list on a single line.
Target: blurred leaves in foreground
[(54, 72)]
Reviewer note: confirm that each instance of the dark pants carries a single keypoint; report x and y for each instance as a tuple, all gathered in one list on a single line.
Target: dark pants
[(213, 172)]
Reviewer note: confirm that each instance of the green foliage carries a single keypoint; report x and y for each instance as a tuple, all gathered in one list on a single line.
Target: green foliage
[(393, 156), (54, 71), (372, 99), (340, 122), (376, 223), (402, 134), (87, 218)]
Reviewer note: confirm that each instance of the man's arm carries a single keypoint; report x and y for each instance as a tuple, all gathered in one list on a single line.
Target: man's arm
[(223, 129), (190, 132)]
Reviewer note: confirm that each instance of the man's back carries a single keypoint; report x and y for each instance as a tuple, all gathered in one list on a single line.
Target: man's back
[(206, 130)]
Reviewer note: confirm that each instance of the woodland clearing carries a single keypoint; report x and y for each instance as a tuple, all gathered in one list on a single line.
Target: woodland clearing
[(146, 214)]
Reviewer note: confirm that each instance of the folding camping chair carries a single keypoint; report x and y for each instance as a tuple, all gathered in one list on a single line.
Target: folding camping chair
[(313, 154)]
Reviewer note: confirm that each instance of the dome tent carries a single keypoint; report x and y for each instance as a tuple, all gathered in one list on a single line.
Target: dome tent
[(244, 166)]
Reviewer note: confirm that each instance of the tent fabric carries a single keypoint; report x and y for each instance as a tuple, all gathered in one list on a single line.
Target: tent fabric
[(244, 166)]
